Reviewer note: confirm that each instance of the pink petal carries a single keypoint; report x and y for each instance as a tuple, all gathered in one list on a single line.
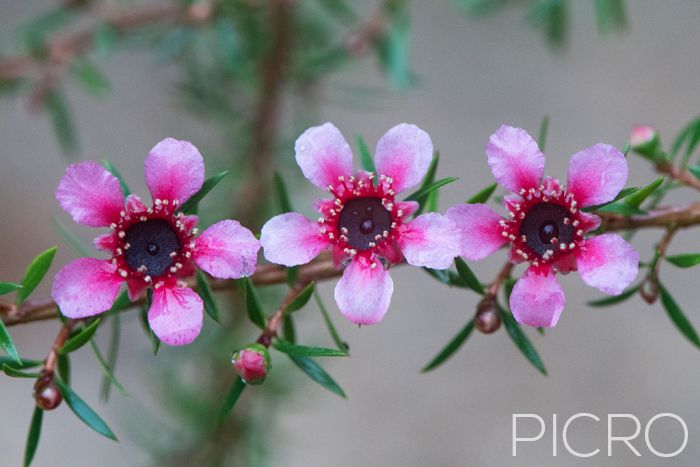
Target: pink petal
[(134, 205), (135, 288), (90, 194), (291, 239), (106, 242), (588, 221), (597, 174), (407, 207), (363, 293), (608, 263), (537, 299), (430, 240), (174, 170), (480, 233), (85, 287), (189, 221), (227, 250), (515, 159), (176, 315), (323, 155), (404, 153)]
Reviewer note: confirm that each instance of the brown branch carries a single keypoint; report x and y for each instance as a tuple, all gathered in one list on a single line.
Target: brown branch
[(681, 175), (679, 216), (273, 324), (649, 289)]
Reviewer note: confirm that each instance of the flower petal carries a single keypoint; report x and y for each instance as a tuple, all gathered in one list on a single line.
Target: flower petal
[(90, 194), (135, 288), (176, 315), (105, 242), (430, 240), (597, 174), (174, 170), (608, 263), (480, 233), (323, 155), (537, 298), (407, 207), (85, 287), (227, 250), (134, 205), (364, 292), (291, 239), (515, 159), (404, 153)]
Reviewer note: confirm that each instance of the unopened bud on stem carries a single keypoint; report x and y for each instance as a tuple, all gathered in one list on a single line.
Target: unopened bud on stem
[(46, 394), (487, 319), (645, 141), (252, 363)]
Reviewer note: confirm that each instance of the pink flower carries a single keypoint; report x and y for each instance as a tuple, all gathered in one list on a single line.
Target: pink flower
[(364, 225), (148, 247), (252, 363), (545, 224)]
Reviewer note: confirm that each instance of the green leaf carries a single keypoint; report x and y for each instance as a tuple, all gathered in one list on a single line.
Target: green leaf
[(301, 299), (520, 340), (62, 122), (687, 260), (7, 287), (305, 351), (544, 128), (33, 436), (428, 180), (314, 371), (468, 276), (612, 300), (552, 17), (483, 195), (22, 365), (695, 170), (423, 193), (190, 207), (207, 297), (366, 158), (232, 397), (292, 275), (636, 198), (679, 319), (15, 373), (155, 341), (81, 338), (90, 77), (7, 344), (288, 330), (252, 302), (339, 343), (83, 411), (107, 373), (688, 137), (611, 15), (64, 368), (35, 273), (111, 363), (394, 47), (440, 275), (114, 171), (451, 347), (623, 193), (281, 194)]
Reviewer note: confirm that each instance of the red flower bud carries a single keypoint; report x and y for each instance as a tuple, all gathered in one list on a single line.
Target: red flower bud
[(252, 363), (46, 394)]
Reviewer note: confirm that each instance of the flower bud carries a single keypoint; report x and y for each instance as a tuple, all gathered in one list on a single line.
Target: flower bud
[(252, 363), (487, 319), (46, 394), (645, 141)]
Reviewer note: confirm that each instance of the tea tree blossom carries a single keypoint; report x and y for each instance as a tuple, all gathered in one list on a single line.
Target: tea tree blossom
[(148, 246), (545, 225), (363, 223)]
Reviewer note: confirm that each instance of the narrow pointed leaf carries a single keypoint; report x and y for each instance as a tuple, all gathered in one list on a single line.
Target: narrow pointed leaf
[(614, 299), (7, 344), (64, 368), (90, 77), (15, 373), (35, 273), (637, 197), (428, 180), (339, 343), (542, 136), (22, 365), (678, 317), (305, 351), (33, 436), (111, 362), (289, 330), (468, 276), (520, 340), (232, 397), (107, 372), (684, 261), (483, 195), (114, 171), (81, 338), (7, 287), (205, 292), (190, 206), (423, 193), (83, 411), (366, 158), (252, 302), (281, 195), (62, 121), (69, 237), (301, 299), (451, 347), (314, 371)]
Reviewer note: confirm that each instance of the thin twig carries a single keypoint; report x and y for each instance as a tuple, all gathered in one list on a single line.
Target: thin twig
[(649, 289), (681, 175)]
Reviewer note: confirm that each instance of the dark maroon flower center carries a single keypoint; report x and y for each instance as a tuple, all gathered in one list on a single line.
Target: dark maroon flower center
[(364, 221), (153, 244), (545, 226)]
